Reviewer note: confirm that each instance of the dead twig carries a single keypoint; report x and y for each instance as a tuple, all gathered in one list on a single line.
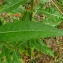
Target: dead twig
[(57, 6)]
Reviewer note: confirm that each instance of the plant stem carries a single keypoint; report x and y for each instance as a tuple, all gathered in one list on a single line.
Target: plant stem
[(32, 1)]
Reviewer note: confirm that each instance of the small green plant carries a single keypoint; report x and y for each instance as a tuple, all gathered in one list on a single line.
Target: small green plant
[(25, 32)]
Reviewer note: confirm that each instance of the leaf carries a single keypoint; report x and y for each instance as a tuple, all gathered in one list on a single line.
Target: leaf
[(42, 47), (27, 16), (29, 49), (22, 46), (20, 9), (51, 15), (11, 5), (7, 54), (26, 30), (15, 57), (43, 1), (39, 46), (59, 4)]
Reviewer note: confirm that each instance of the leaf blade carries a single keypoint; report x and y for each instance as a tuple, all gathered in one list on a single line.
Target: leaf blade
[(19, 31), (11, 5), (42, 47)]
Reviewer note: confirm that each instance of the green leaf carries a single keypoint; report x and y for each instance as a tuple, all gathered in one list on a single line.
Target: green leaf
[(43, 1), (51, 15), (26, 30), (7, 54), (15, 57), (39, 46), (42, 47), (11, 5), (29, 49), (27, 16)]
